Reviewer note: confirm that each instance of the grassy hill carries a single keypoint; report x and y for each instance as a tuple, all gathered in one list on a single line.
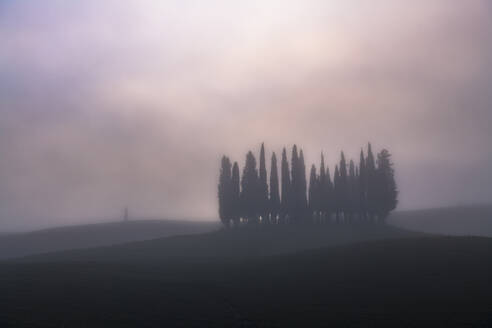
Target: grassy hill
[(245, 242), (411, 282), (473, 220), (94, 235)]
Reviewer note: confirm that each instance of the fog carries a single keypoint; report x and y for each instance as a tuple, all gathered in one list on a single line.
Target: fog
[(108, 104)]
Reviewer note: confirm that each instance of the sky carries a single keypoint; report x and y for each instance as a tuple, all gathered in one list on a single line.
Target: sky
[(106, 104)]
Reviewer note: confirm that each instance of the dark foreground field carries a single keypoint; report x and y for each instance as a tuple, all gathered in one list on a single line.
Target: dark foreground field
[(409, 281)]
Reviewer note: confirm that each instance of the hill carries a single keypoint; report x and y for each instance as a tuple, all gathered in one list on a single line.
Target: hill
[(411, 282), (94, 235), (247, 241), (472, 220)]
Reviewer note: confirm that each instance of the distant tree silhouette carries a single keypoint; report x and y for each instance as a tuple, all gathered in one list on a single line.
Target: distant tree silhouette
[(274, 191), (313, 193), (249, 190), (385, 188), (357, 193), (263, 187), (371, 183), (362, 187), (235, 195), (294, 186), (302, 185), (337, 194), (225, 184), (353, 191), (286, 188), (329, 197), (323, 192), (298, 205), (344, 187)]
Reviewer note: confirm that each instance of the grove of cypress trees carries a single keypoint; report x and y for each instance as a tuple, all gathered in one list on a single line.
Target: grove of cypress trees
[(274, 191), (366, 191)]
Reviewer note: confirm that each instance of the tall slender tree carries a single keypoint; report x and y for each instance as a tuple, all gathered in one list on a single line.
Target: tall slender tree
[(322, 197), (249, 189), (352, 189), (263, 187), (294, 186), (274, 191), (235, 195), (371, 183), (329, 197), (313, 192), (362, 187), (357, 205), (337, 194), (385, 188), (286, 187), (224, 191), (343, 186), (303, 205)]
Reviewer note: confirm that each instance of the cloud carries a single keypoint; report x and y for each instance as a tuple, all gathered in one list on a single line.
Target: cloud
[(106, 104)]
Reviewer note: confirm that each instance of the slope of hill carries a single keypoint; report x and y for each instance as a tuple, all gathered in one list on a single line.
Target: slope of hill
[(93, 235), (244, 242), (472, 220), (411, 282)]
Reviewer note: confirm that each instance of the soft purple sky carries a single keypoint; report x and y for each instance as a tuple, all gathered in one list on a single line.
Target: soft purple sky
[(105, 104)]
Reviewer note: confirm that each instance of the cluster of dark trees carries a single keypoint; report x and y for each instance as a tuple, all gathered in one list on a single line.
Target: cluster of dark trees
[(365, 192)]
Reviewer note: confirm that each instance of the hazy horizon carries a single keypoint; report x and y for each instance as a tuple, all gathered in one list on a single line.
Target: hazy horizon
[(108, 104)]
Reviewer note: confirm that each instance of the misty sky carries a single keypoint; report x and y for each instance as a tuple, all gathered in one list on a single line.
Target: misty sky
[(105, 104)]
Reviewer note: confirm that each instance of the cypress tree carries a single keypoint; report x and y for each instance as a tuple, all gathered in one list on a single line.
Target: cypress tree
[(263, 187), (293, 206), (362, 187), (303, 205), (274, 191), (322, 196), (313, 192), (224, 191), (352, 196), (343, 186), (329, 196), (385, 189), (337, 194), (235, 195), (286, 187), (370, 189), (357, 193), (249, 189)]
